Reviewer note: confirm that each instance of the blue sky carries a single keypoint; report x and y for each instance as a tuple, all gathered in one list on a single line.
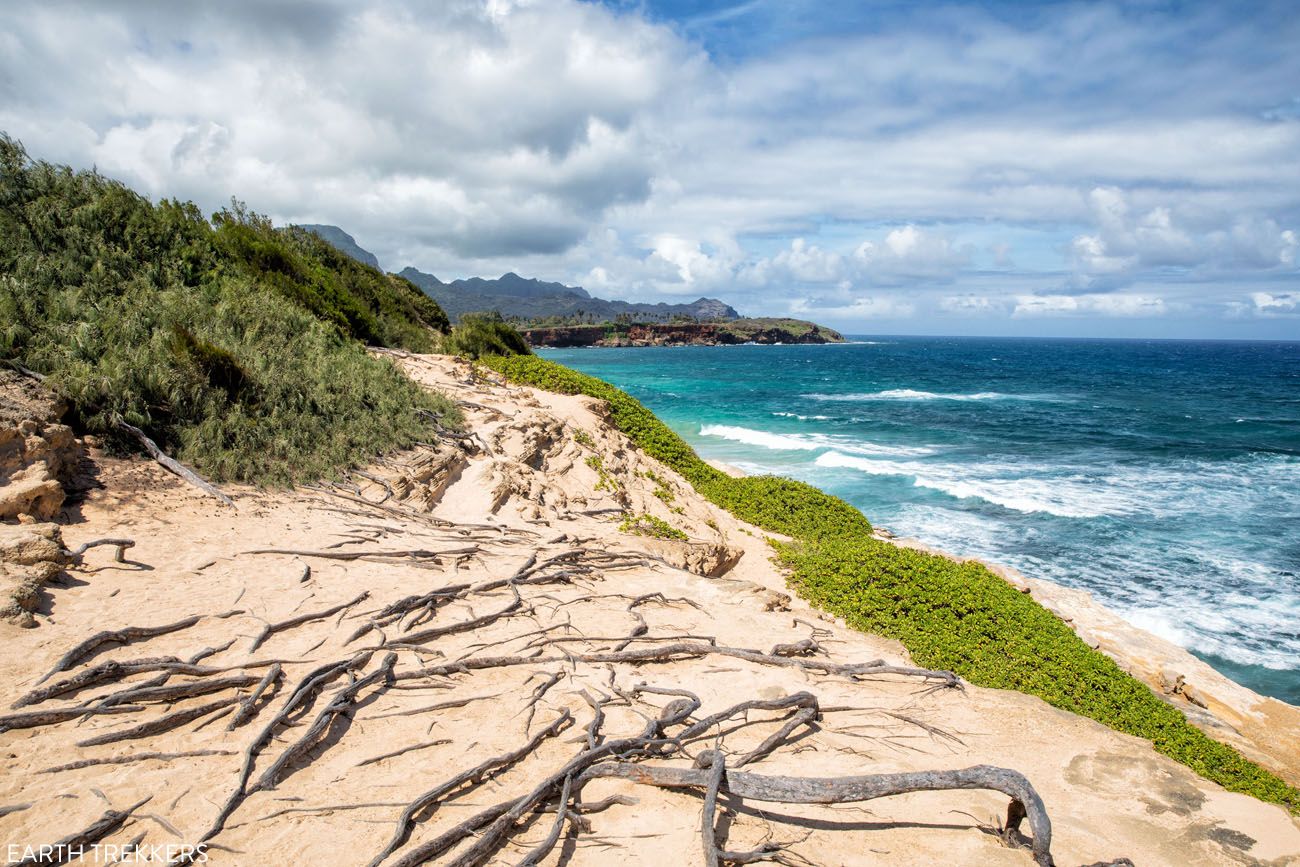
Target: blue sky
[(1095, 169)]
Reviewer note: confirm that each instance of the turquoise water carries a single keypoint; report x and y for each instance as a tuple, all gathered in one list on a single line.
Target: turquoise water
[(1162, 476)]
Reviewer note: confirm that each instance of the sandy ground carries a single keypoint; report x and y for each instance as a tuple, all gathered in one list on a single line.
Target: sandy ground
[(545, 478)]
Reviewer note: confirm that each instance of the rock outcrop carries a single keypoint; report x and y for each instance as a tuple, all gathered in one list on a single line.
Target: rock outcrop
[(37, 454), (684, 334)]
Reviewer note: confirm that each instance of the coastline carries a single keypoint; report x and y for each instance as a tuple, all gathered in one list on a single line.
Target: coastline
[(547, 478), (1212, 701)]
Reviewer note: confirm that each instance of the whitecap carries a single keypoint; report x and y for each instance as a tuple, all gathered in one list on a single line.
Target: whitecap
[(806, 442), (914, 394), (1064, 497)]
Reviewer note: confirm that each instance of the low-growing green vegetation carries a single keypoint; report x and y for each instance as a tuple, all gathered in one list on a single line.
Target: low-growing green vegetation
[(582, 438), (649, 525), (482, 334), (955, 616), (236, 346), (606, 482)]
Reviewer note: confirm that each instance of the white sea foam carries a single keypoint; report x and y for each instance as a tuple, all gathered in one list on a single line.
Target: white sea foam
[(802, 417), (806, 442), (914, 394), (1071, 497)]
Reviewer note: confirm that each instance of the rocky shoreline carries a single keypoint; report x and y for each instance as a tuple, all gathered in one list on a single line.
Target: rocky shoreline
[(729, 333)]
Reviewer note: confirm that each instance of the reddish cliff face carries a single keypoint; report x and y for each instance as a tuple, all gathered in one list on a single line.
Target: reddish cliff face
[(697, 333)]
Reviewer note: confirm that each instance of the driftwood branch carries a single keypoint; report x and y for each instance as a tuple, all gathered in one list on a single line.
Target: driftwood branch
[(172, 465), (1025, 802)]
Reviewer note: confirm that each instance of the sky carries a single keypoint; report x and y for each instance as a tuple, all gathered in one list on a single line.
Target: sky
[(1053, 169)]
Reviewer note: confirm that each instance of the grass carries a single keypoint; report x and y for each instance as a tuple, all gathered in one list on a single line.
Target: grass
[(238, 347), (955, 616)]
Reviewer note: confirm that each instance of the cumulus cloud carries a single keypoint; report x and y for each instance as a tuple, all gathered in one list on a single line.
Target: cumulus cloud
[(1281, 304), (1126, 243), (483, 129), (878, 166)]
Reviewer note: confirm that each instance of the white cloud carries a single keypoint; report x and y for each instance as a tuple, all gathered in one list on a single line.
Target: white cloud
[(1125, 244), (1281, 304), (971, 305), (1110, 305), (864, 174)]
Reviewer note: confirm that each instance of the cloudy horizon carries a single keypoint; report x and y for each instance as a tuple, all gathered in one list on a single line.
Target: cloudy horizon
[(977, 168)]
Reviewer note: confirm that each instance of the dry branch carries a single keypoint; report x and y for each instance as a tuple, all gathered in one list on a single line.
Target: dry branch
[(1025, 802), (172, 465)]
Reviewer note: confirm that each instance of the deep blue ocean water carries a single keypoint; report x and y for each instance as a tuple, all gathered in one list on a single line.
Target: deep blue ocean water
[(1163, 476)]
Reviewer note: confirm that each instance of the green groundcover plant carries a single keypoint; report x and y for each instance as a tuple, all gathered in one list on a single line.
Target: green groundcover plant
[(238, 347), (955, 616)]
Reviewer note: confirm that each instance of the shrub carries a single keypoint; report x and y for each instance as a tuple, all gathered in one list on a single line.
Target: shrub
[(955, 616), (232, 347), (649, 525), (482, 334)]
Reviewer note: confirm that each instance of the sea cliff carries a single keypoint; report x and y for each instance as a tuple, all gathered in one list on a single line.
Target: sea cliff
[(681, 334)]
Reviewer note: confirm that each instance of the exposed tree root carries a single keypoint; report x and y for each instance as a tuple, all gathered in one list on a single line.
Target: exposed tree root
[(475, 776), (69, 848), (248, 707), (134, 757), (125, 635), (158, 726), (119, 555), (1025, 802), (284, 625), (37, 718)]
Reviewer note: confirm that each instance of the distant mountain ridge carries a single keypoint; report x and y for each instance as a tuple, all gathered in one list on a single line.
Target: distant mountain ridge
[(529, 299), (343, 242), (517, 297)]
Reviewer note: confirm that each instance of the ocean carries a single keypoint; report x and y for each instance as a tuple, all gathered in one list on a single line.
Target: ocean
[(1162, 476)]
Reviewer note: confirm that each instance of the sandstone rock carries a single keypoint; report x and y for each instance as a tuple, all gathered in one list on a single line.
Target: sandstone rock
[(774, 600), (1193, 695), (1171, 682), (709, 559), (30, 555)]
